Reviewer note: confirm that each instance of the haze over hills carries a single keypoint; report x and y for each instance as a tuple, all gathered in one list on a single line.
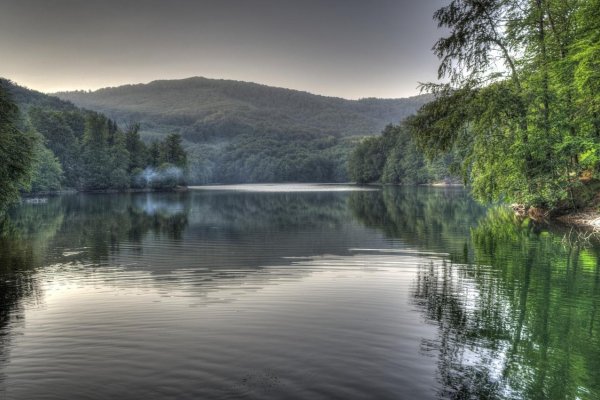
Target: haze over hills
[(203, 109)]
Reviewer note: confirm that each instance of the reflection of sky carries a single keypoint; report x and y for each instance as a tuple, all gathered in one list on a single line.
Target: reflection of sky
[(285, 187), (318, 327), (270, 288)]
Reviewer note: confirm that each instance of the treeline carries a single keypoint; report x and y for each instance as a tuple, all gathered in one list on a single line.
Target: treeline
[(87, 151), (48, 148), (521, 99), (393, 158), (272, 157), (245, 132)]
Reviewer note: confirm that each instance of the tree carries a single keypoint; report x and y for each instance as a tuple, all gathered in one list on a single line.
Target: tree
[(59, 136), (154, 157), (172, 151), (16, 150), (136, 148), (48, 173), (367, 161), (526, 123), (106, 161), (394, 158)]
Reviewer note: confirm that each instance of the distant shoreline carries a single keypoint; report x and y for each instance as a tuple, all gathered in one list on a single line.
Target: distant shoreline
[(27, 195)]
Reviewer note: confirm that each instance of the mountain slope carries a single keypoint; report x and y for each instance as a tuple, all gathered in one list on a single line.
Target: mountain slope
[(26, 98), (246, 132), (204, 109)]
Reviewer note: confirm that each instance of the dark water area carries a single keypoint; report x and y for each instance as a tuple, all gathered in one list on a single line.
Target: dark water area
[(400, 293)]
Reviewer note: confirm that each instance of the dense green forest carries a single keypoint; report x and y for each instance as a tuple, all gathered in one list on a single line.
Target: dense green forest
[(49, 145), (520, 98), (393, 158), (202, 109), (245, 132), (16, 150), (62, 146)]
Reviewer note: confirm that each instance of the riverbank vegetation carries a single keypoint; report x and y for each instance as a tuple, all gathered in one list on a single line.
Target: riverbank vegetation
[(393, 158), (520, 98), (243, 132), (49, 145)]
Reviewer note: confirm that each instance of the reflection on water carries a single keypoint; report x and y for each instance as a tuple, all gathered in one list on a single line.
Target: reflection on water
[(394, 293)]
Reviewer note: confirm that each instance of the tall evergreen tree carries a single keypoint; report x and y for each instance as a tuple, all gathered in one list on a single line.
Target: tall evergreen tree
[(136, 148), (172, 151), (96, 157)]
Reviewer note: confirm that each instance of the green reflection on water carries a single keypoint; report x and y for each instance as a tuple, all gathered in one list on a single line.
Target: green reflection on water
[(515, 305), (517, 312)]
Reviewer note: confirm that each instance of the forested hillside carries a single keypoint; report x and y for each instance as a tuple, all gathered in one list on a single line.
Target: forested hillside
[(201, 108), (62, 146), (246, 132), (394, 158)]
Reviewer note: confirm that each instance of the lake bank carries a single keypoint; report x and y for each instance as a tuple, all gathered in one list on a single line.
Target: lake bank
[(587, 218), (29, 195)]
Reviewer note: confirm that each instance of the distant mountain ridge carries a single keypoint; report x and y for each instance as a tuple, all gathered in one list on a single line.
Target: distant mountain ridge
[(203, 109)]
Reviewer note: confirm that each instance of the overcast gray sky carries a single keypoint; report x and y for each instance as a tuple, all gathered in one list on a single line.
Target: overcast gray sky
[(346, 48)]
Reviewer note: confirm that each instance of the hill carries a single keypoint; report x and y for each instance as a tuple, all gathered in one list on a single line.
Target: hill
[(26, 98), (204, 109), (246, 132), (81, 149)]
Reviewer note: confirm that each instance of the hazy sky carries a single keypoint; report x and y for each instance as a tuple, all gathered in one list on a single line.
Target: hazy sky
[(346, 48)]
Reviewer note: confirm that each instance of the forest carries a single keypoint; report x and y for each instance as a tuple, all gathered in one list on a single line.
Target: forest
[(394, 158), (515, 114), (519, 99), (246, 132), (51, 145)]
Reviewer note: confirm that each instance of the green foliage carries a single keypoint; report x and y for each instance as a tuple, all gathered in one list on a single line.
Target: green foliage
[(108, 164), (172, 152), (84, 150), (204, 109), (138, 152), (47, 173), (62, 132), (522, 99), (154, 156), (272, 158), (16, 150), (394, 158), (367, 161), (244, 132)]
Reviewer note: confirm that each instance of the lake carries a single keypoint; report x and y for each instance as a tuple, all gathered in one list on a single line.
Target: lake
[(294, 292)]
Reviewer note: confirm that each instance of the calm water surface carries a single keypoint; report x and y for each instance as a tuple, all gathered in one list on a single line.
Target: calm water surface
[(259, 293)]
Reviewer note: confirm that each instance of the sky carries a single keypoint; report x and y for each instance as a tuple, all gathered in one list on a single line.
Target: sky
[(345, 48)]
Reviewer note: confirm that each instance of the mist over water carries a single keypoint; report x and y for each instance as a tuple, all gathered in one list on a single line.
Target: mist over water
[(415, 293), (151, 176)]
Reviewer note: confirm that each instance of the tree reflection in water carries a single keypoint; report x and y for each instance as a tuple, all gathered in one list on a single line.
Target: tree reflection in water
[(519, 321), (517, 309), (32, 236)]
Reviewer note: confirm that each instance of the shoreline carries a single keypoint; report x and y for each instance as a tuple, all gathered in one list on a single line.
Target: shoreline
[(588, 218), (584, 219), (32, 195)]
